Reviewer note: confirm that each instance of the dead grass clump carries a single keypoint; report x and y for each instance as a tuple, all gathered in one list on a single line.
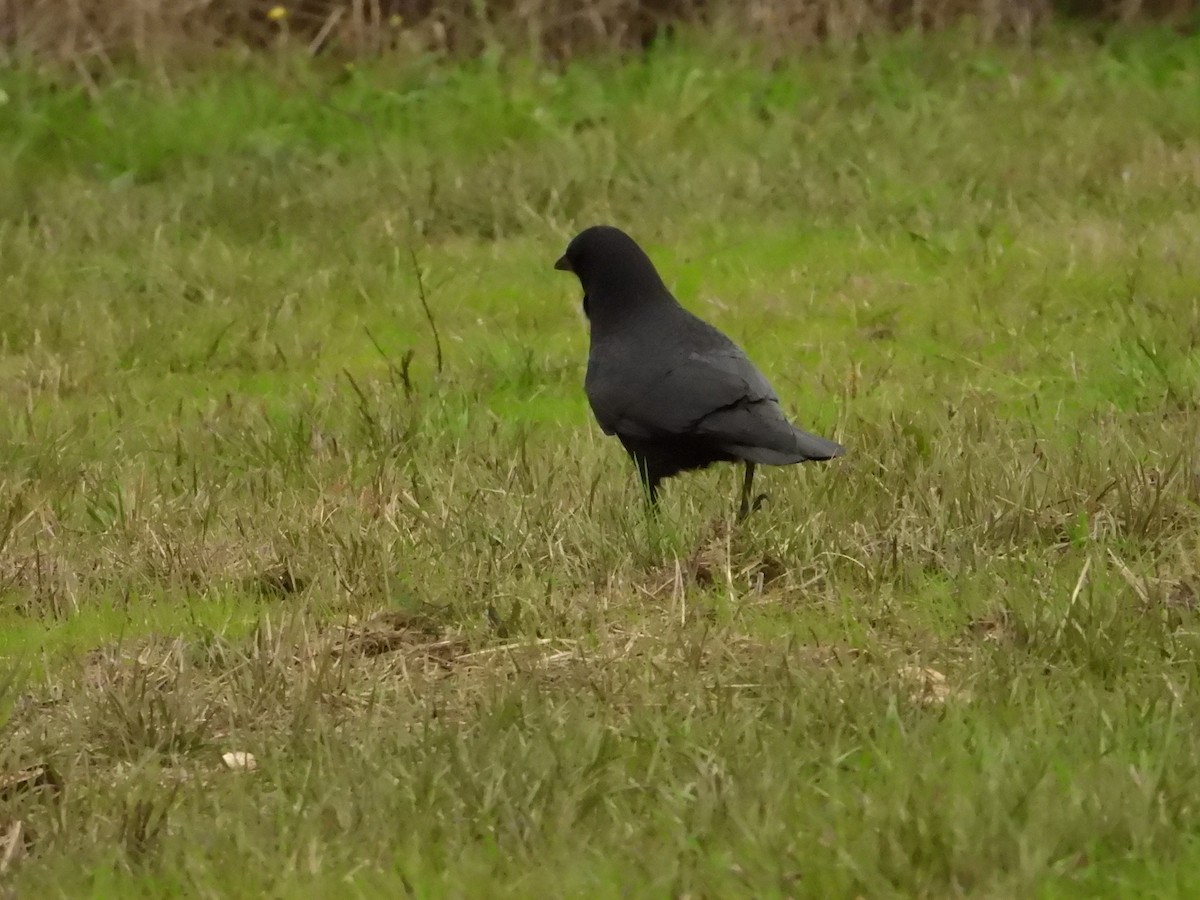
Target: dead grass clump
[(394, 631)]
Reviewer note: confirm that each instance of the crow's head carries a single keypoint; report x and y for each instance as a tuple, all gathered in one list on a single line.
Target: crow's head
[(617, 276)]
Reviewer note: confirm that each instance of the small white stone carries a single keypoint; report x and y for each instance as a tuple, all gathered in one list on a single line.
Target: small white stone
[(239, 761)]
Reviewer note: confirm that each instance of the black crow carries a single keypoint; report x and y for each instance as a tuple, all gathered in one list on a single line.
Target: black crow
[(677, 392)]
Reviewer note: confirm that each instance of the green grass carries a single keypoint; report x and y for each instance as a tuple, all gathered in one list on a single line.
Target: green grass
[(236, 515)]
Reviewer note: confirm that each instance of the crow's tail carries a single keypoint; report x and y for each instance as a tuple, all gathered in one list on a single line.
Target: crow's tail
[(805, 448), (817, 448)]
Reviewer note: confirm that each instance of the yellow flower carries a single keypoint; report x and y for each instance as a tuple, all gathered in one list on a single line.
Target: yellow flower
[(277, 13)]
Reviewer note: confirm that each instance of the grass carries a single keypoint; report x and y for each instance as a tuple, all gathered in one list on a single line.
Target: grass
[(241, 508)]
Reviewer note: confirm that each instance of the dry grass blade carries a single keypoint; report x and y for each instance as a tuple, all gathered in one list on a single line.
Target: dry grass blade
[(14, 841)]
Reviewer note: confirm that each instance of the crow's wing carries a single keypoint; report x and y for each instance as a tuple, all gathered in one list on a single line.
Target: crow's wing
[(717, 394)]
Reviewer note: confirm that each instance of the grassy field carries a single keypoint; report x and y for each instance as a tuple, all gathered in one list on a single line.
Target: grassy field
[(249, 503)]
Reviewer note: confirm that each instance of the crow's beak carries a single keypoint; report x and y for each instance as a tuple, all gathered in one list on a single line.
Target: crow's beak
[(563, 264)]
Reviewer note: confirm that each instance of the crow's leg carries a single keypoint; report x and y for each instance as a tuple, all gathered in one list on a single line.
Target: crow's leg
[(648, 479), (747, 505), (747, 483)]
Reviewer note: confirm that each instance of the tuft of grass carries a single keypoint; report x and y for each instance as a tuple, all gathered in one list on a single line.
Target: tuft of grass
[(296, 463)]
